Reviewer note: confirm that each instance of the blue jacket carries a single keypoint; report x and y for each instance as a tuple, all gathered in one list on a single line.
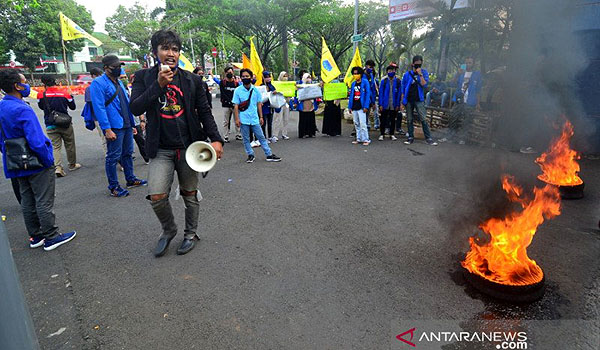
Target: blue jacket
[(474, 87), (365, 93), (109, 117), (407, 79), (19, 120), (384, 92), (372, 86)]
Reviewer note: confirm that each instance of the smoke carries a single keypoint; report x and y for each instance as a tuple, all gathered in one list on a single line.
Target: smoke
[(539, 88), (541, 84)]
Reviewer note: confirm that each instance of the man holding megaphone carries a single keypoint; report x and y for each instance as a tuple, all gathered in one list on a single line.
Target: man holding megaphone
[(178, 115)]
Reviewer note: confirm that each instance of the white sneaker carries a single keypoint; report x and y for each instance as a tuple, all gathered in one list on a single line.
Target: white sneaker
[(394, 138), (274, 139), (380, 138), (285, 137), (254, 144)]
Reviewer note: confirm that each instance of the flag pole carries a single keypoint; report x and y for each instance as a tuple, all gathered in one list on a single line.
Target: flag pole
[(65, 58)]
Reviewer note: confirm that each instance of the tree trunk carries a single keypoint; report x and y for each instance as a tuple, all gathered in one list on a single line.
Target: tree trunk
[(284, 48), (443, 62)]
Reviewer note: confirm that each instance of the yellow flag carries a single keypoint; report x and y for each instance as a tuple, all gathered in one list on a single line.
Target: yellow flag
[(257, 67), (246, 62), (71, 31), (185, 64), (356, 62), (329, 70)]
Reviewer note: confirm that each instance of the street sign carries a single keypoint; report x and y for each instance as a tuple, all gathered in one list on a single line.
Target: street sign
[(12, 64), (357, 38), (214, 52)]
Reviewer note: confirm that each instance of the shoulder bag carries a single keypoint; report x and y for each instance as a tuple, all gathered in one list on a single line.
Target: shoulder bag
[(18, 154), (60, 120)]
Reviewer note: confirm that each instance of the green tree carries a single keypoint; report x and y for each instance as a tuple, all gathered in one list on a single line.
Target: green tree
[(32, 28), (133, 26)]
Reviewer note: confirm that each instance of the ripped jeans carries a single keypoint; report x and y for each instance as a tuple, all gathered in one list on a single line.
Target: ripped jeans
[(160, 179)]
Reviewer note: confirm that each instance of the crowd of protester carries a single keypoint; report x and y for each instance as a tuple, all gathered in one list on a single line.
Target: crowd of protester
[(165, 109)]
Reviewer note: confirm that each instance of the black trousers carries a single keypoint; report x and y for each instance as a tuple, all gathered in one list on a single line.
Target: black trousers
[(268, 124), (37, 203), (388, 120), (16, 189)]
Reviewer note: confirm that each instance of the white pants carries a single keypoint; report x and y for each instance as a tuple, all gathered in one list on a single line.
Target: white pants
[(360, 125), (280, 121)]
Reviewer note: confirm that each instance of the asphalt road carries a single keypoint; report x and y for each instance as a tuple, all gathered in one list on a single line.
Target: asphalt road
[(329, 249)]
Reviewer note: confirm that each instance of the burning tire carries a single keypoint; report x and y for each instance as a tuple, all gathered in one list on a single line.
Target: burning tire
[(571, 192), (511, 293)]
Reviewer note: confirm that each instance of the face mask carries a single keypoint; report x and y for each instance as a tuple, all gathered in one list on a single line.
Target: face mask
[(417, 66), (253, 81), (27, 90), (463, 66), (246, 81), (229, 75), (369, 70), (356, 76), (391, 74), (115, 72)]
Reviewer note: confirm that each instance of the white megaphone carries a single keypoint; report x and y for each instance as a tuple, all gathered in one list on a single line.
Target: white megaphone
[(201, 156)]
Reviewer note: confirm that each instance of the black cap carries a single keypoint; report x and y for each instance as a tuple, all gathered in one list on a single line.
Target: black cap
[(110, 60)]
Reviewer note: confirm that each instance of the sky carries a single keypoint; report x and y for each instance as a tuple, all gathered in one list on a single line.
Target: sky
[(101, 9)]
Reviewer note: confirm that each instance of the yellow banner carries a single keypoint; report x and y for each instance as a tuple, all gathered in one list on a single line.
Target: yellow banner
[(287, 88), (329, 70), (257, 67), (185, 64), (71, 30), (356, 62)]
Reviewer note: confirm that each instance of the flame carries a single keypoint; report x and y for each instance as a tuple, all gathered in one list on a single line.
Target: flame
[(504, 258), (559, 165)]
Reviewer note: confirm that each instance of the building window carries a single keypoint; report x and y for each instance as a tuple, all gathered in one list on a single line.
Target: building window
[(93, 51)]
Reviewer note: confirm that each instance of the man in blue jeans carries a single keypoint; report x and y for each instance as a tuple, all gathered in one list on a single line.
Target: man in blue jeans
[(414, 82), (111, 107), (247, 108)]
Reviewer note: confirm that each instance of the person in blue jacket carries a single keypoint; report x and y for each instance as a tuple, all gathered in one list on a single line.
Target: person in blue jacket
[(88, 111), (390, 90), (359, 102), (110, 102), (468, 86), (17, 119), (414, 83)]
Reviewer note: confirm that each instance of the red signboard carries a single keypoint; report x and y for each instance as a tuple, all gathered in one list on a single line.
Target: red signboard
[(214, 52)]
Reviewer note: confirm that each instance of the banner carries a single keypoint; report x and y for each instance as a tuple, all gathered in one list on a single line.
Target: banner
[(246, 62), (329, 70), (335, 91), (356, 62), (406, 9), (287, 88), (71, 31), (185, 64), (257, 67)]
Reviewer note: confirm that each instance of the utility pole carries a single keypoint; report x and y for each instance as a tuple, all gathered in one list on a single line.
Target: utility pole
[(355, 24), (191, 44)]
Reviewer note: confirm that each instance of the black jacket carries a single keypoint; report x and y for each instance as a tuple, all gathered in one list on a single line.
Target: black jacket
[(56, 100), (198, 116)]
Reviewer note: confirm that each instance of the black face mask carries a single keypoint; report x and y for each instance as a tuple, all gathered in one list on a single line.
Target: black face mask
[(229, 75), (417, 66), (246, 81), (115, 72)]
